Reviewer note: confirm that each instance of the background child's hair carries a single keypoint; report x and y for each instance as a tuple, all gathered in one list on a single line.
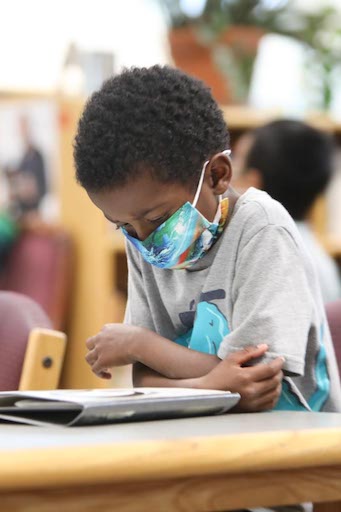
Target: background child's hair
[(294, 161), (155, 118)]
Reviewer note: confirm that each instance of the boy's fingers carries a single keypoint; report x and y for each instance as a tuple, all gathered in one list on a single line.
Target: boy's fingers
[(268, 370), (90, 342), (243, 356), (269, 400), (97, 367), (263, 402), (91, 357), (264, 387), (105, 375)]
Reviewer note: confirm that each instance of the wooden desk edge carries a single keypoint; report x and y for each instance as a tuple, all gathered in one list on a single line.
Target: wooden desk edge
[(162, 459)]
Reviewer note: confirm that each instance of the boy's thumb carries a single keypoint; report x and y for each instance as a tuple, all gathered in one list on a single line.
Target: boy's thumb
[(243, 356)]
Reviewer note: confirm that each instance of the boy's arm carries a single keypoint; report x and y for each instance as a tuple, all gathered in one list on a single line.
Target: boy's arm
[(160, 362), (146, 377), (259, 386), (121, 344)]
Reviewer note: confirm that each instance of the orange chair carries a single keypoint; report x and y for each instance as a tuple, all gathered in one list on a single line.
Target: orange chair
[(31, 353)]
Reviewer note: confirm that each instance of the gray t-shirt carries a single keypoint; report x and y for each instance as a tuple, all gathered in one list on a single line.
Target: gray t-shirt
[(256, 285), (326, 268)]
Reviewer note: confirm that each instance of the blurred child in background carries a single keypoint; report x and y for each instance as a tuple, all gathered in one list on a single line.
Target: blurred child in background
[(293, 162)]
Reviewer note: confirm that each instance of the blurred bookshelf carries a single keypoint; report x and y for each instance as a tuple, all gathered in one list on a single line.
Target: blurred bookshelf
[(242, 118), (25, 95)]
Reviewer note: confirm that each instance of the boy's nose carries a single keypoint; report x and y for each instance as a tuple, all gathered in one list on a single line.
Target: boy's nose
[(142, 231)]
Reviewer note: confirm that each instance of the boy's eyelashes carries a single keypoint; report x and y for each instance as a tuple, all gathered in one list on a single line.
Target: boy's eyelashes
[(158, 220)]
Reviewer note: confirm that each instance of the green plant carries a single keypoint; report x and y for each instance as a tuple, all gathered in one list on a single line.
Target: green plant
[(234, 56), (319, 31), (216, 15)]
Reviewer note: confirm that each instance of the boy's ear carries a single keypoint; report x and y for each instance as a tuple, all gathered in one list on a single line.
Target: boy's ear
[(219, 173)]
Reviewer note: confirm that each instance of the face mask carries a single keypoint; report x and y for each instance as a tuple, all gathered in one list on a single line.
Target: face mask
[(185, 237)]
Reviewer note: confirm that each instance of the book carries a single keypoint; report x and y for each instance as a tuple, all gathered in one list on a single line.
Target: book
[(102, 406)]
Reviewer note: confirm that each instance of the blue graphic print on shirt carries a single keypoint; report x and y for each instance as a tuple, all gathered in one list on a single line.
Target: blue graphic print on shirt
[(320, 396), (210, 327)]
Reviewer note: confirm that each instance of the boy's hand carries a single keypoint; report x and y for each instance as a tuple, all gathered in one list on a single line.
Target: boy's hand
[(112, 346), (259, 386)]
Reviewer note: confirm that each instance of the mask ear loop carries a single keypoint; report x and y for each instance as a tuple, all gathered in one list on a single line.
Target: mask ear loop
[(197, 194), (226, 152)]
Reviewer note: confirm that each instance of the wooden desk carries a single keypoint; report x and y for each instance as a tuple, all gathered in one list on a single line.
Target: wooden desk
[(199, 464)]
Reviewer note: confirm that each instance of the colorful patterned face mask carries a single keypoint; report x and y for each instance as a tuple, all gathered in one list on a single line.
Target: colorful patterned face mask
[(185, 237)]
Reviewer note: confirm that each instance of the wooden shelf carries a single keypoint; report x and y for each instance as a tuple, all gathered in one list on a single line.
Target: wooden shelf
[(242, 118)]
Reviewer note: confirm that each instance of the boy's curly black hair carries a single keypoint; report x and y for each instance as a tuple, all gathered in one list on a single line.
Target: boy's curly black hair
[(155, 118)]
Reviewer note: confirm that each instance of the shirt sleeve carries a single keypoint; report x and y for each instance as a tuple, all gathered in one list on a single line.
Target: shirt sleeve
[(137, 309), (272, 302)]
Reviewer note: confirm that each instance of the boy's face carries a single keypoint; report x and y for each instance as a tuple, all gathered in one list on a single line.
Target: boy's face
[(144, 203)]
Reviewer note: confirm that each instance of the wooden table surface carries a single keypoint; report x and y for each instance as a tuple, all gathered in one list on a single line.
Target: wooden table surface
[(197, 464)]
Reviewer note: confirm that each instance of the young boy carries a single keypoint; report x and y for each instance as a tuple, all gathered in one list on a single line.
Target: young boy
[(293, 162), (209, 272)]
